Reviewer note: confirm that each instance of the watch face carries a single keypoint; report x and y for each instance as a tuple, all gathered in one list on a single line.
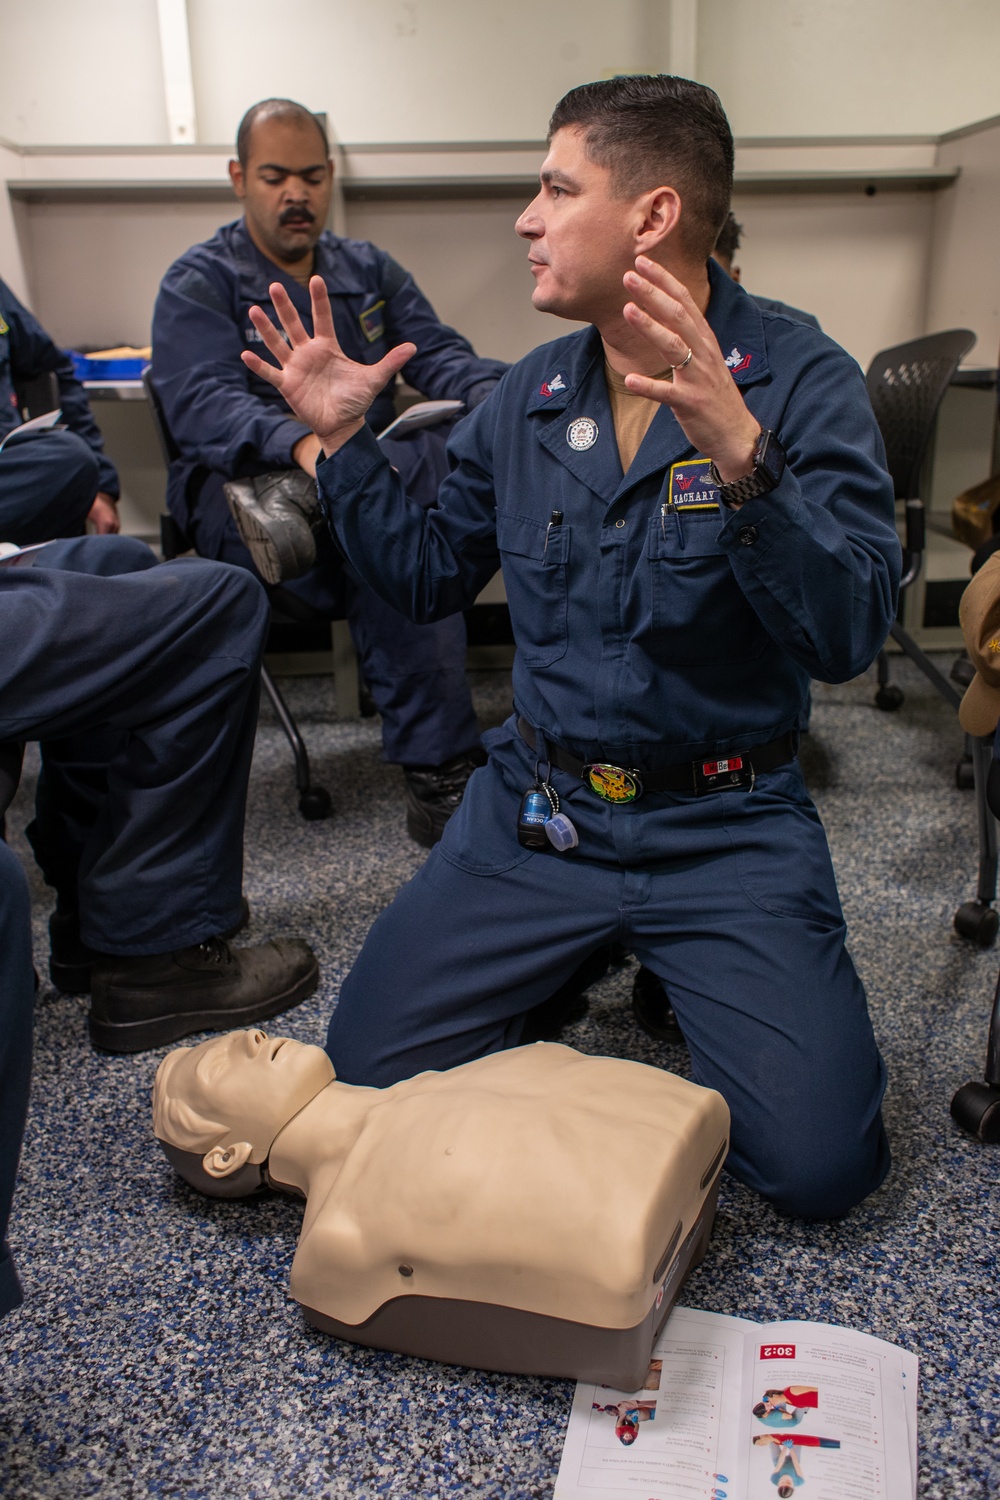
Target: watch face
[(771, 457)]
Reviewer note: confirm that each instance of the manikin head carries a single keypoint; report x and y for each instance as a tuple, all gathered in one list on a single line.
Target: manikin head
[(217, 1108), (640, 165), (284, 176)]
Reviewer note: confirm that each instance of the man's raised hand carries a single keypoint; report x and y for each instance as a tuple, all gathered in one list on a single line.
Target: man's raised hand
[(327, 391), (702, 394)]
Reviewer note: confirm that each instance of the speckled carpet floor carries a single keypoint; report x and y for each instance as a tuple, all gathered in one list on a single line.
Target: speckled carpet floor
[(158, 1352)]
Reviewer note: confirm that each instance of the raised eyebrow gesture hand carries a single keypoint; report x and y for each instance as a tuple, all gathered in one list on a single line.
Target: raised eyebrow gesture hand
[(702, 393), (327, 391)]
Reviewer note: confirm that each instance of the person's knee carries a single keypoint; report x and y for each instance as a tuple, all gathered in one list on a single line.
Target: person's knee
[(822, 1177), (115, 555), (234, 603)]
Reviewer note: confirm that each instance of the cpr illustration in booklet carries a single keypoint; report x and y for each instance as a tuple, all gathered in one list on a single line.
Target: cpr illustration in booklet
[(734, 1410)]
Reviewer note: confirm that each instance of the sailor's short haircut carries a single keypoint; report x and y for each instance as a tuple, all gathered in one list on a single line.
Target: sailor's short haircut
[(286, 110), (655, 130)]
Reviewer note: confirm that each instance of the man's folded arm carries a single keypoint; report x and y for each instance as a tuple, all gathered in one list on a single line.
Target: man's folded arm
[(213, 415), (428, 564), (818, 558)]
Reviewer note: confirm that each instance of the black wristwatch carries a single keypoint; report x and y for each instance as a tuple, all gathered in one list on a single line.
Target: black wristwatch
[(768, 467)]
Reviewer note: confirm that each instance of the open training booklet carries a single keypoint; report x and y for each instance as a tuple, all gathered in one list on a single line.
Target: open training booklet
[(734, 1410)]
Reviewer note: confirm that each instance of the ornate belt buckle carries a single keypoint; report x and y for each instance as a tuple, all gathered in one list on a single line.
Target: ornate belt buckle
[(612, 783)]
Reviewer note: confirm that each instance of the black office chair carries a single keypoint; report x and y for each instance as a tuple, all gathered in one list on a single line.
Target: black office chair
[(906, 385), (314, 801), (38, 395)]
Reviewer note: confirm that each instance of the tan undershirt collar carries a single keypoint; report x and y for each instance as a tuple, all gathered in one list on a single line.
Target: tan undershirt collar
[(632, 414)]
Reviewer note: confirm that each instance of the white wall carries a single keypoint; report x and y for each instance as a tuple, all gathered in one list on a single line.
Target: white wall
[(859, 263), (851, 67), (88, 71), (965, 246), (81, 72)]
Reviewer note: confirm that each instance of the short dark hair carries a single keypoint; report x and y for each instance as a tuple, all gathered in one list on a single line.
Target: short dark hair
[(275, 109), (652, 129), (729, 237)]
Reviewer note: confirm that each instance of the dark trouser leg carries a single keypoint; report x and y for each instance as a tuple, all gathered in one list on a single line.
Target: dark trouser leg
[(730, 899), (416, 676), (16, 1003), (48, 481), (166, 660)]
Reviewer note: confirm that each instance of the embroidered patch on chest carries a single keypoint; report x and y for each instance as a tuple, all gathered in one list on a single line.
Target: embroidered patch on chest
[(372, 322), (692, 486)]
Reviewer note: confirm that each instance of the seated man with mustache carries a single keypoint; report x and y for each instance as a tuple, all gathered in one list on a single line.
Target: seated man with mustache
[(230, 425)]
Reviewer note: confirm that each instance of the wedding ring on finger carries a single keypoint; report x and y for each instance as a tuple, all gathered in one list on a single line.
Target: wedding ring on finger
[(685, 361)]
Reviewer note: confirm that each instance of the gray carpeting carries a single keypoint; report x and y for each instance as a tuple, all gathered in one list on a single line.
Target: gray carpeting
[(158, 1352)]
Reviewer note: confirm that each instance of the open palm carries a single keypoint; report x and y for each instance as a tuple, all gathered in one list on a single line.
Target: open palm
[(327, 391)]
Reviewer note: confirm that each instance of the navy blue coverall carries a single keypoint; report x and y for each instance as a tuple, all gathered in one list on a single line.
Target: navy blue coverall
[(141, 682), (649, 637), (48, 480), (231, 424)]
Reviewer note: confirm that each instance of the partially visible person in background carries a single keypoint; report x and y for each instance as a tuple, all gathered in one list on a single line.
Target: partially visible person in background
[(726, 246), (53, 481)]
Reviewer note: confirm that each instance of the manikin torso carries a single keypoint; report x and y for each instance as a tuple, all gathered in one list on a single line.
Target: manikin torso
[(535, 1178)]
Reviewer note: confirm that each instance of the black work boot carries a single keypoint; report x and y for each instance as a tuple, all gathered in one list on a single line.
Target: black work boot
[(71, 961), (434, 792), (652, 1009), (151, 1000), (275, 514)]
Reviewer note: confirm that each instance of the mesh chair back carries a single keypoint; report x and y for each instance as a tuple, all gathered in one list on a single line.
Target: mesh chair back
[(906, 385)]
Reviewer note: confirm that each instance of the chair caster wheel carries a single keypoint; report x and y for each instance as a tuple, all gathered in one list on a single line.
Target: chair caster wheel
[(889, 698), (965, 778), (315, 804), (977, 922), (976, 1108)]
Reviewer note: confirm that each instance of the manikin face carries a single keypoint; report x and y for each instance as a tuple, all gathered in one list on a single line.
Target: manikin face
[(582, 238), (285, 189), (247, 1082)]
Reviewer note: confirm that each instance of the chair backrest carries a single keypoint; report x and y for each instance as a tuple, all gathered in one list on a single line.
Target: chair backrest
[(906, 385), (37, 395), (171, 452)]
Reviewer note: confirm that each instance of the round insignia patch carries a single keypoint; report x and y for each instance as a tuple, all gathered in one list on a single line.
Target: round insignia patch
[(582, 434)]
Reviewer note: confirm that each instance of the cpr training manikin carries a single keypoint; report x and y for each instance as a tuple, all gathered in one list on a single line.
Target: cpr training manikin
[(534, 1211)]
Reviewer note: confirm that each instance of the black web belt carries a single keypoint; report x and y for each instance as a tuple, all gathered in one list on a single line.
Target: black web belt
[(614, 783)]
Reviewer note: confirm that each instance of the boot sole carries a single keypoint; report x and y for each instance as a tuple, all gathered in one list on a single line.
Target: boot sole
[(158, 1031), (275, 557)]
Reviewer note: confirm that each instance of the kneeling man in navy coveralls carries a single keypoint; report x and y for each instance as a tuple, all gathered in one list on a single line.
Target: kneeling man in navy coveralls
[(689, 504)]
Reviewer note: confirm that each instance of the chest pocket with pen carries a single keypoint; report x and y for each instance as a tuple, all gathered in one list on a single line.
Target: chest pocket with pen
[(698, 611), (535, 559)]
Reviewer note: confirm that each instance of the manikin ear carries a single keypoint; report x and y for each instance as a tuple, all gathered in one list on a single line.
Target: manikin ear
[(222, 1161), (661, 212)]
